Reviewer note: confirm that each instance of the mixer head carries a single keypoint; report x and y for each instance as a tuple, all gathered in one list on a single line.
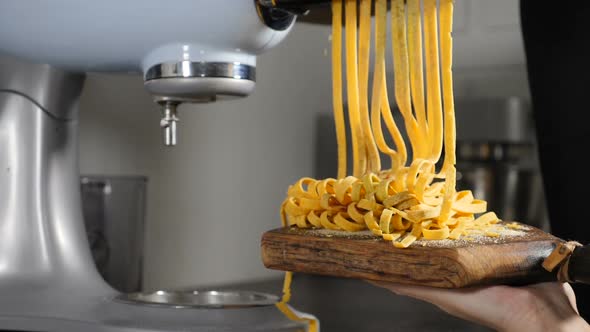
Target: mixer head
[(196, 79), (187, 51), (204, 76)]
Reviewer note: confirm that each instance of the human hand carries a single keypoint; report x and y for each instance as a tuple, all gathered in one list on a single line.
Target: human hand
[(539, 307)]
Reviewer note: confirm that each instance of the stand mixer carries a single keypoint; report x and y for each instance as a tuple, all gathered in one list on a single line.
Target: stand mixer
[(188, 51)]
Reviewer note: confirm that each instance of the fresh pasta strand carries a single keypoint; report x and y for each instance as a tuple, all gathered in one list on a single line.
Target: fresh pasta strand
[(369, 198), (416, 65), (283, 306), (373, 159), (412, 200), (402, 77), (358, 142), (337, 86), (379, 95), (446, 45), (433, 100)]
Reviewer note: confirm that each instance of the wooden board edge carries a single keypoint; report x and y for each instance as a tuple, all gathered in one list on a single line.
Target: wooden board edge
[(455, 260)]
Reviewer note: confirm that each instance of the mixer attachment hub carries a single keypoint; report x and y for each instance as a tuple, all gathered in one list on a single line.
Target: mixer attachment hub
[(195, 82)]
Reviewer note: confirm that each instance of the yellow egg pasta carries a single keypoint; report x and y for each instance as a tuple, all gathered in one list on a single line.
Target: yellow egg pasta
[(413, 199)]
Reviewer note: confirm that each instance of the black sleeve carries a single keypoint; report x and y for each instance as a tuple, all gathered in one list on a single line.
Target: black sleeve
[(557, 46)]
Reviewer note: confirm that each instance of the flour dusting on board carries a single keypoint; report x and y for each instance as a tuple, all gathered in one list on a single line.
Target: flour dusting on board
[(502, 233)]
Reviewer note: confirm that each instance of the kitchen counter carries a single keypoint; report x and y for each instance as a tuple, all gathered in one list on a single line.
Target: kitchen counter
[(352, 305)]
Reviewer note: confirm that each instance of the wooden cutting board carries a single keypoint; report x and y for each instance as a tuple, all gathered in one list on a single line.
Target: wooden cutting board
[(515, 257)]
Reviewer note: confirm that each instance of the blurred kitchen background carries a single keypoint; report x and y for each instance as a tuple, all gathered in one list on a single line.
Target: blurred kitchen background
[(192, 216)]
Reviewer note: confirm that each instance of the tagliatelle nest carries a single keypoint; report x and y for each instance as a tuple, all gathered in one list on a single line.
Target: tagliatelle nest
[(400, 208), (404, 203)]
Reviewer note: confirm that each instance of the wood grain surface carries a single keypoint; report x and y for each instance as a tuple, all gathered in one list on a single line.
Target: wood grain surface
[(513, 258)]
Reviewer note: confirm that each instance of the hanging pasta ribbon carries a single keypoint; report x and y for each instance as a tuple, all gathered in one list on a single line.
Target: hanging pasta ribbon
[(408, 201)]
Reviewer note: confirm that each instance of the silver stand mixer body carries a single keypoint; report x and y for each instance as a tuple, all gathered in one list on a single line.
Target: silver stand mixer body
[(48, 281)]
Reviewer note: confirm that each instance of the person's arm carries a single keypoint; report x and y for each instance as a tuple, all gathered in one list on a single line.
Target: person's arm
[(557, 48), (539, 307)]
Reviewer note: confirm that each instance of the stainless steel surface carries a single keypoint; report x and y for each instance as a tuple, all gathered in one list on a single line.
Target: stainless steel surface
[(114, 210), (187, 69), (198, 90), (188, 81), (512, 191), (168, 123), (497, 159), (54, 91), (505, 120), (523, 153), (48, 281), (201, 299), (348, 305), (40, 215)]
